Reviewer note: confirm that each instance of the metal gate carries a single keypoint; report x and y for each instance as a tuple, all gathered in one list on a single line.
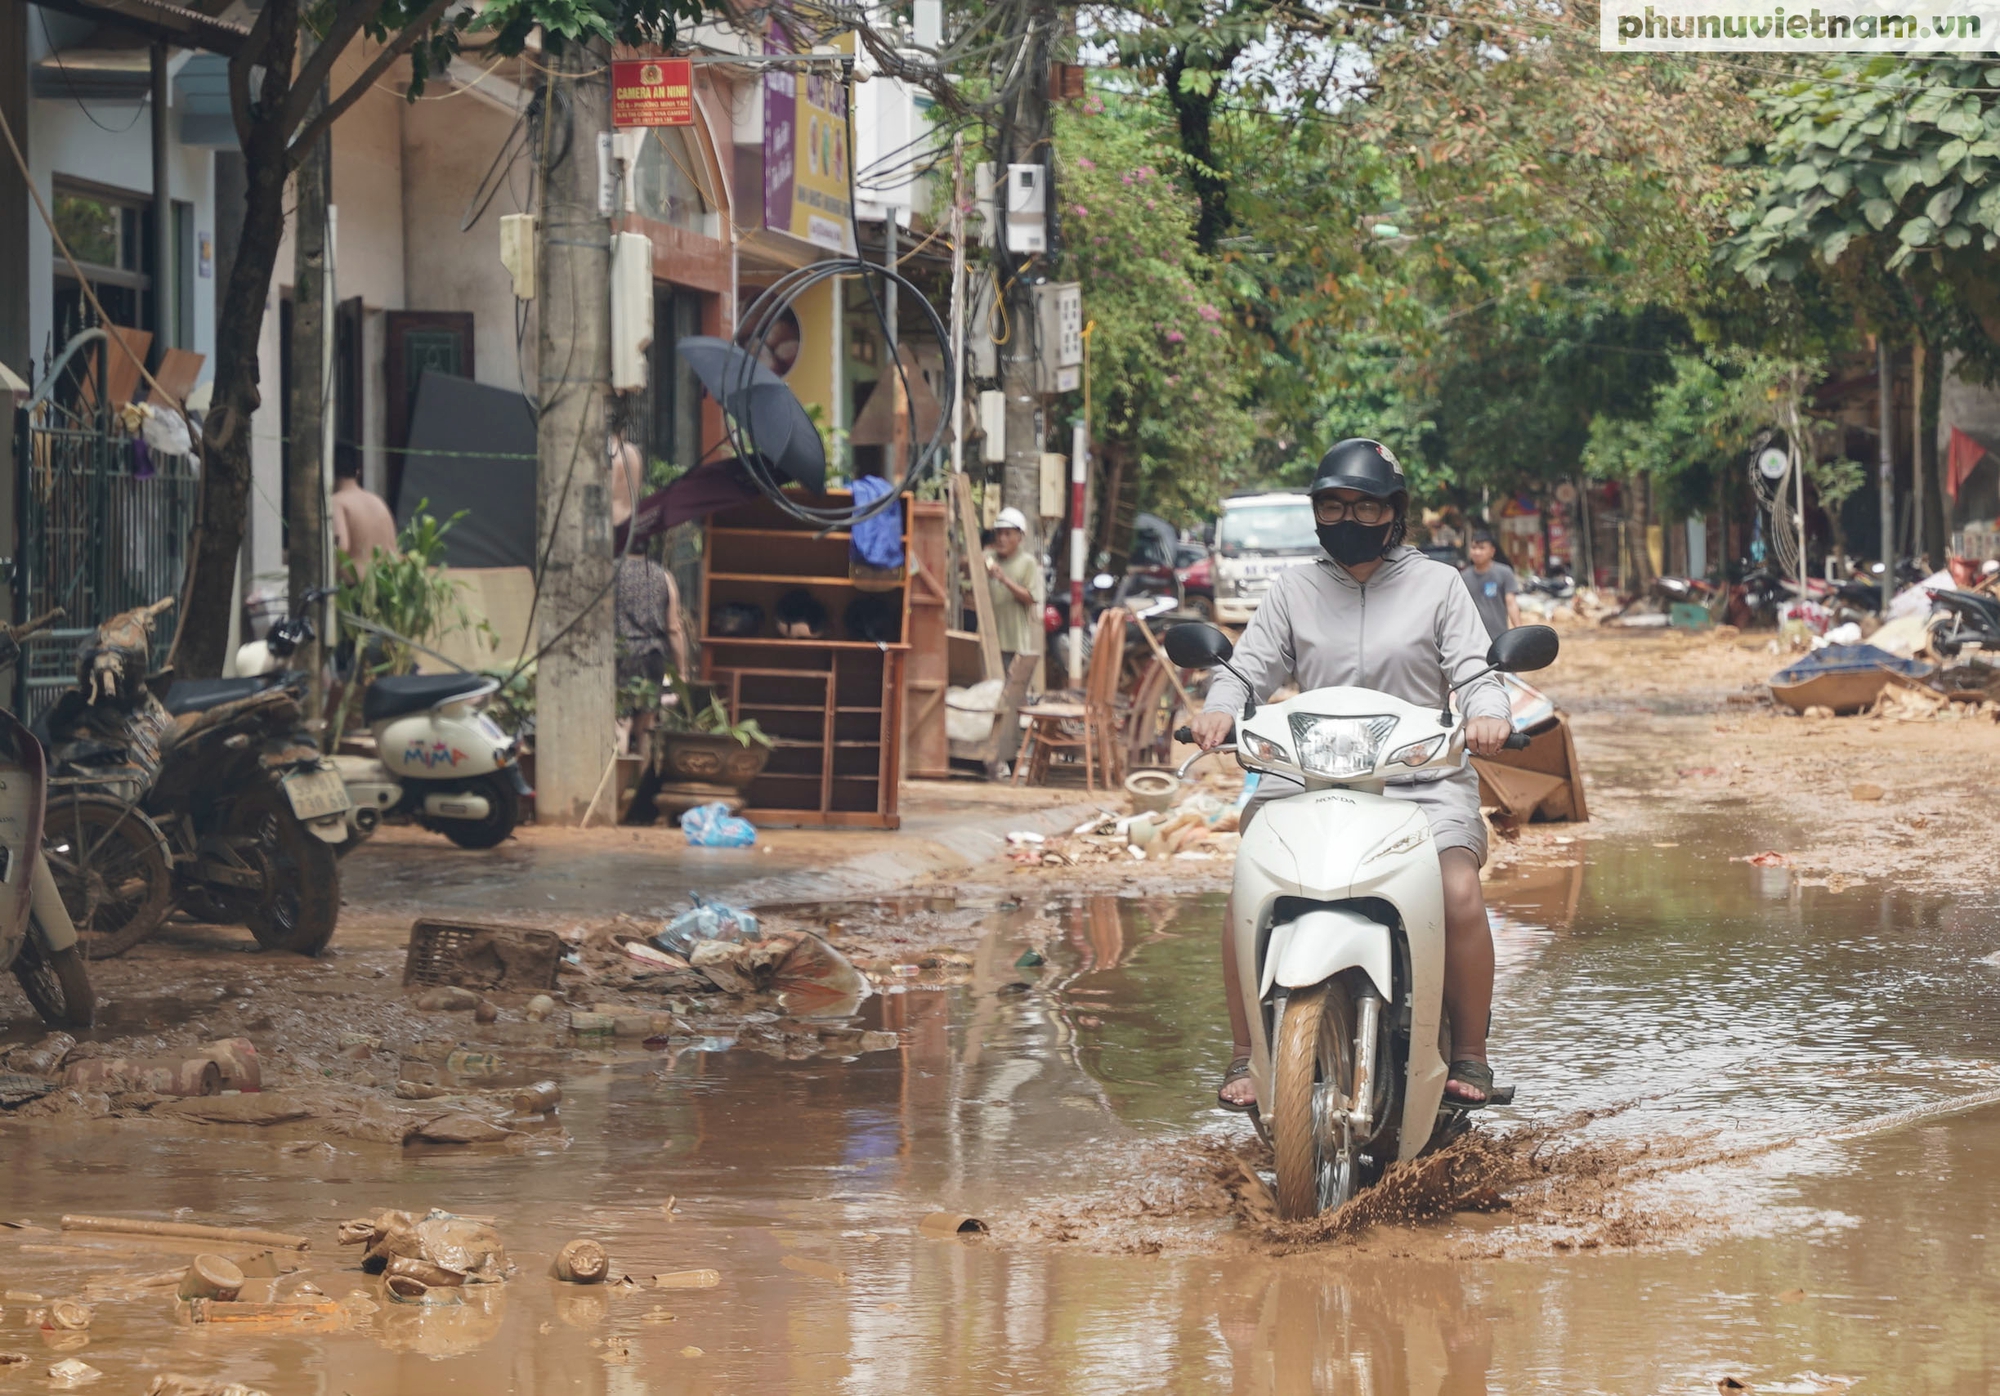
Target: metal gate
[(104, 523)]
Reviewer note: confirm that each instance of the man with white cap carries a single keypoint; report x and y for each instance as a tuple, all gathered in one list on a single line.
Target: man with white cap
[(1018, 589)]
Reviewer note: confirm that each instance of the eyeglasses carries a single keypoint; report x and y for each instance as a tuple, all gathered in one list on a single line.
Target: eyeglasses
[(1362, 511)]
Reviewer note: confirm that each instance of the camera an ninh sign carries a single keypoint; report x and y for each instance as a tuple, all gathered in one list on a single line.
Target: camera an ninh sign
[(652, 92)]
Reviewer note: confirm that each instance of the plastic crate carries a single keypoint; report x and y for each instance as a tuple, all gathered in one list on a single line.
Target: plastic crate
[(477, 955)]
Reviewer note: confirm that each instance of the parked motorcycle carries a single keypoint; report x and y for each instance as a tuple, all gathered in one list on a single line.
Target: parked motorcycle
[(1962, 620), (37, 939), (1338, 907), (226, 810), (1558, 584)]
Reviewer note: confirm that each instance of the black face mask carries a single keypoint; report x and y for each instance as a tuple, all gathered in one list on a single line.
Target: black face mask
[(1349, 543)]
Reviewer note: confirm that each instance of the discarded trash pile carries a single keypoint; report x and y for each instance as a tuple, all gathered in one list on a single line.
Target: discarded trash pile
[(488, 1012), (1840, 680), (1200, 828), (427, 1282)]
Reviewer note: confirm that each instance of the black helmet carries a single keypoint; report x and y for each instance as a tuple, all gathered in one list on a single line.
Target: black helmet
[(1360, 464)]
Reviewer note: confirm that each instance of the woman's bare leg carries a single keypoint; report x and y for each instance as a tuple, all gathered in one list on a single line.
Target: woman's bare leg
[(1468, 963), (1240, 1091)]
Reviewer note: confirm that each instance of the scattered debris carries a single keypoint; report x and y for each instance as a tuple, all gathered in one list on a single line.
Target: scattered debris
[(41, 1058), (688, 1279), (1866, 790), (476, 955), (177, 1076), (467, 1246), (16, 1089), (283, 1313), (211, 1277), (538, 1099), (172, 1384), (705, 921), (450, 999), (70, 1372), (583, 1262), (539, 1008), (67, 1316), (187, 1231), (1769, 858), (951, 1224), (818, 1269)]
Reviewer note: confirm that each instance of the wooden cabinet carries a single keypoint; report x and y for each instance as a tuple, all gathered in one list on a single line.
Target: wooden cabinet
[(834, 706)]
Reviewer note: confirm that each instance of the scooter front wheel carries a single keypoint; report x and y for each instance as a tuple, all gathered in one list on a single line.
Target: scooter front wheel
[(57, 983), (1318, 1157)]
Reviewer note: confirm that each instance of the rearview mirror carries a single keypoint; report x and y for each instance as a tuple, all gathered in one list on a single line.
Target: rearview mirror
[(1198, 645), (1524, 649)]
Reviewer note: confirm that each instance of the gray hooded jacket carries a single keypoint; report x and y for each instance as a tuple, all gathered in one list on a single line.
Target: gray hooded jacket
[(1401, 632)]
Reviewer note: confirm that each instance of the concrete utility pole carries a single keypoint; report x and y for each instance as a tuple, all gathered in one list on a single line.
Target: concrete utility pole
[(1886, 466), (1026, 142), (305, 490), (575, 681)]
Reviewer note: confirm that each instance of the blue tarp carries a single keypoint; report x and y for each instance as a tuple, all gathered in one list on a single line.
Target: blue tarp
[(1847, 659)]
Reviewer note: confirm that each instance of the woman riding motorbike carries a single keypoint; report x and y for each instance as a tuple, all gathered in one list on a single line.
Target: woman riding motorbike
[(1376, 614)]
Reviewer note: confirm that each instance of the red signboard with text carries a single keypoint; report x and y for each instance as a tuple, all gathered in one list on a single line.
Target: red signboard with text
[(652, 92)]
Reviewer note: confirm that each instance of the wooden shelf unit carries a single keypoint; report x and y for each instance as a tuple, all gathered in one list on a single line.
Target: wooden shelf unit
[(834, 706)]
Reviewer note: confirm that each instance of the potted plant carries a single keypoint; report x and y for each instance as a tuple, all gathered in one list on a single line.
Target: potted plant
[(700, 756)]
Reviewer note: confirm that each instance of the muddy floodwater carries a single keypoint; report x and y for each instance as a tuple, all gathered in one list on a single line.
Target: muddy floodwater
[(1806, 1063)]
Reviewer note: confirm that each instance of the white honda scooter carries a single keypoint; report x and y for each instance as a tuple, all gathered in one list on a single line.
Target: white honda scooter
[(1338, 908)]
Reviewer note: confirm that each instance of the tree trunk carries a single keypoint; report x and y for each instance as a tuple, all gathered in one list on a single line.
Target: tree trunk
[(203, 634), (304, 512), (1194, 117), (575, 680), (1936, 536)]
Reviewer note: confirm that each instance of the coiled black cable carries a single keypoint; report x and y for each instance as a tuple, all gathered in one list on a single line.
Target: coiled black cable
[(755, 327)]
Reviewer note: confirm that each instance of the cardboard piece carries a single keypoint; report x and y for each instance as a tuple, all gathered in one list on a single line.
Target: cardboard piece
[(1542, 781)]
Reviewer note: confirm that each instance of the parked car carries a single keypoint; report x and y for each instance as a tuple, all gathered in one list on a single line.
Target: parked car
[(1257, 537), (1197, 577)]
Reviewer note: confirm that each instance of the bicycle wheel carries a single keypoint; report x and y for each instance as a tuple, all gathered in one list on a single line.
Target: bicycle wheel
[(113, 869)]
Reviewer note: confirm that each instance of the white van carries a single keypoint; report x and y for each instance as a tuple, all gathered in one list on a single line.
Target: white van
[(1257, 537)]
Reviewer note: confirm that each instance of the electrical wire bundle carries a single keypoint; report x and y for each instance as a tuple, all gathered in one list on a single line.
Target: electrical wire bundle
[(755, 328)]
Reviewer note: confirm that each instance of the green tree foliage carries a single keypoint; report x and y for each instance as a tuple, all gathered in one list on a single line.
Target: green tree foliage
[(1164, 377)]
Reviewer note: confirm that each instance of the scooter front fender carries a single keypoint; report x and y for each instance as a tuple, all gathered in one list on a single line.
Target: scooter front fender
[(1323, 942)]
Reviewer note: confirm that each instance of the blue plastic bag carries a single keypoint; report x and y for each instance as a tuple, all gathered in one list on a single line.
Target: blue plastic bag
[(713, 826)]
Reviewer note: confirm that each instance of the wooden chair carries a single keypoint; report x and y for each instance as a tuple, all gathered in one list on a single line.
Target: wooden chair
[(1091, 725)]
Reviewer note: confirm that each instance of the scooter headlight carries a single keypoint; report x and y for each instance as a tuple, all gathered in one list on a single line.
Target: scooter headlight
[(1263, 749), (1416, 753), (1340, 748)]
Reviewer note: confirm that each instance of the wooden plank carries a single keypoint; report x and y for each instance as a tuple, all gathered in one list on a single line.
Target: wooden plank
[(982, 590), (926, 745)]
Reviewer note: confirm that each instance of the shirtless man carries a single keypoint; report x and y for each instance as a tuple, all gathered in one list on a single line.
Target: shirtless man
[(361, 521)]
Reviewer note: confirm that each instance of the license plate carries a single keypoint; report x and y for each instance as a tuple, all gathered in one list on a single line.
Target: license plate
[(316, 794)]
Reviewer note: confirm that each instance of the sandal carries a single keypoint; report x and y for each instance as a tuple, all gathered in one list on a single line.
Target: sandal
[(1475, 1074), (1239, 1067)]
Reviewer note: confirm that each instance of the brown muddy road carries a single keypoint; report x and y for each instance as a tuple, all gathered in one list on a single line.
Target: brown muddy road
[(1769, 1065)]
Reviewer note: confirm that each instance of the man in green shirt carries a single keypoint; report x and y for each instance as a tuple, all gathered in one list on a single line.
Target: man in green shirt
[(1015, 575)]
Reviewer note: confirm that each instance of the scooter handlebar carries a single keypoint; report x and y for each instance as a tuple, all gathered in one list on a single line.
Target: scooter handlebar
[(1184, 734), (1516, 741)]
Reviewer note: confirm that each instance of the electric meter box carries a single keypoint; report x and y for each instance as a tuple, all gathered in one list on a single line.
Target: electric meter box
[(1059, 337), (1027, 205)]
